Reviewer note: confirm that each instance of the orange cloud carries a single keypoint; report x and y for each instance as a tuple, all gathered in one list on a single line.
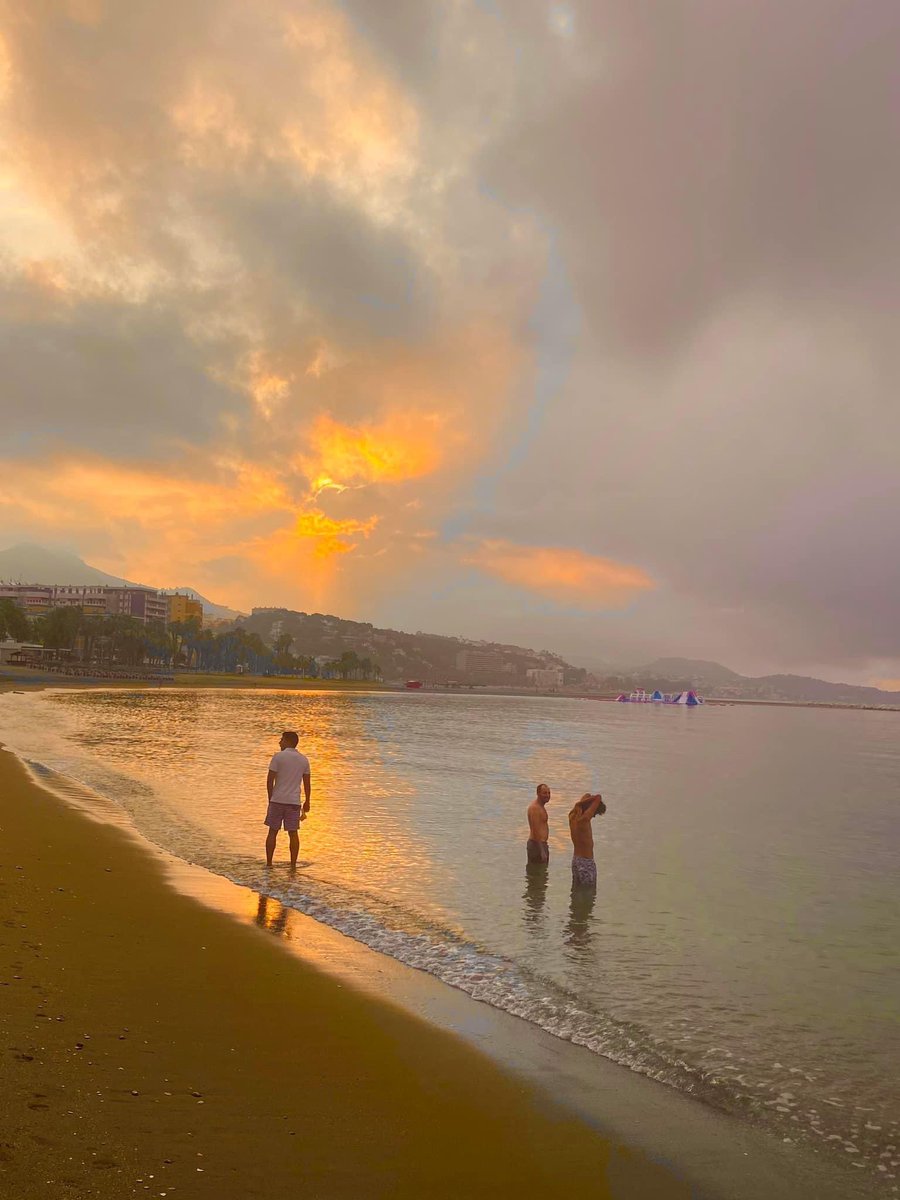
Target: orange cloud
[(400, 446), (565, 575), (329, 536), (887, 685), (166, 522)]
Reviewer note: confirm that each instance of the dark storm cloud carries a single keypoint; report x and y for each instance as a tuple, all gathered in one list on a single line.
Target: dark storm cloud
[(693, 150), (312, 248), (104, 375), (724, 185)]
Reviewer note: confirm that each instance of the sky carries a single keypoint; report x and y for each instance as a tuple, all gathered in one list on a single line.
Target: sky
[(572, 325)]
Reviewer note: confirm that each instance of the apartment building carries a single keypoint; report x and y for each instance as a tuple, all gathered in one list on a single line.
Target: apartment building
[(184, 608), (91, 599), (545, 677), (144, 604), (33, 599), (484, 666)]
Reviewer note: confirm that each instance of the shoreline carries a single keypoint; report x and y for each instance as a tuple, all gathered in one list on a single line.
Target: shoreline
[(22, 677), (613, 1116), (152, 1043)]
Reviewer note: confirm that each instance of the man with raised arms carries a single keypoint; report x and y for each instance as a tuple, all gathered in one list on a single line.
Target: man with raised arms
[(537, 847), (584, 869), (287, 770)]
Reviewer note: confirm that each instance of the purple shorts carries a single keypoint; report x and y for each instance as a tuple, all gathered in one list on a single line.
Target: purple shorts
[(286, 814), (584, 872)]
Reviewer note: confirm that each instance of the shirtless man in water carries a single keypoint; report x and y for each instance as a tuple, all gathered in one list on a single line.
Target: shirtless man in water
[(537, 847), (584, 869)]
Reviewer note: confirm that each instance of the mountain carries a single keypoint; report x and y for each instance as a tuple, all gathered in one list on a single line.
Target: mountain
[(699, 670), (715, 680), (801, 687), (28, 563)]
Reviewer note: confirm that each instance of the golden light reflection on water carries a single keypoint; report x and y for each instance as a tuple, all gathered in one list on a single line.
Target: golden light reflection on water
[(206, 755)]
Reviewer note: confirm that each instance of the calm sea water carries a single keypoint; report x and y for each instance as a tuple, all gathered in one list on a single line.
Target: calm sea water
[(742, 942)]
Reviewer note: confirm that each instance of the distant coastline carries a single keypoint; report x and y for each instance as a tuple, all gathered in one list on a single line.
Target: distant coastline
[(13, 677)]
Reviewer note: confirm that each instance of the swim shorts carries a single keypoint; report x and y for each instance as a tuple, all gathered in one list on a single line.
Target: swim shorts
[(584, 872), (286, 814), (538, 852)]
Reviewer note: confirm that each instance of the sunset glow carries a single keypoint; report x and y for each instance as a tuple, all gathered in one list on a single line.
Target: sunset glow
[(569, 576), (303, 293)]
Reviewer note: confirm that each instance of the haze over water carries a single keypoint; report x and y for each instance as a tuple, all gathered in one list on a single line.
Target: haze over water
[(741, 945)]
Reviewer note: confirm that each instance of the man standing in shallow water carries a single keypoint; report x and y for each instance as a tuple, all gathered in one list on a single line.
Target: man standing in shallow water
[(584, 869), (538, 847), (287, 770)]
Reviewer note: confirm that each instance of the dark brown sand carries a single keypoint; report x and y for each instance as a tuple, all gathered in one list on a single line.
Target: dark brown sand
[(152, 1047)]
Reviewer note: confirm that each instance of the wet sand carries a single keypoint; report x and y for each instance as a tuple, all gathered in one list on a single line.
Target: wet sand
[(151, 1046)]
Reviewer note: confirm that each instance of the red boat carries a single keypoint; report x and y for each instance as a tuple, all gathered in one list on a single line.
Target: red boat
[(414, 683)]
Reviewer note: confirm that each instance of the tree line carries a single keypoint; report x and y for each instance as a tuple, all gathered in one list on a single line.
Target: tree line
[(122, 641)]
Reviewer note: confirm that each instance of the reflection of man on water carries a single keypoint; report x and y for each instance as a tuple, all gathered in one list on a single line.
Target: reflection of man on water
[(538, 848), (535, 893), (584, 869), (581, 908), (271, 914)]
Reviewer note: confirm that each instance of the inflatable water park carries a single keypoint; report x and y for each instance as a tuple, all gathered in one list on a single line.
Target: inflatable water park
[(689, 698)]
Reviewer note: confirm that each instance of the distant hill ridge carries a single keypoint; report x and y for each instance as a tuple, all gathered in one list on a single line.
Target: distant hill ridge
[(714, 678), (431, 657), (435, 655)]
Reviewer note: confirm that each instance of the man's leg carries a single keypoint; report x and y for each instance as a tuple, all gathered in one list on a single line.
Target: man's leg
[(295, 845), (270, 845)]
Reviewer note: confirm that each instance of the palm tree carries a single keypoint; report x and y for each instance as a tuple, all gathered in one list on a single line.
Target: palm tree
[(13, 622)]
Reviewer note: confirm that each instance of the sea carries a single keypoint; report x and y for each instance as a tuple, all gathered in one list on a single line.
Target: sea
[(741, 946)]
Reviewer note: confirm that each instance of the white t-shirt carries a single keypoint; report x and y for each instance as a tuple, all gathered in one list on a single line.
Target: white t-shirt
[(289, 766)]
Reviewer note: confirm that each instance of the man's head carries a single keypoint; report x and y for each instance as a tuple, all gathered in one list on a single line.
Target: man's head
[(588, 799), (543, 793), (289, 740)]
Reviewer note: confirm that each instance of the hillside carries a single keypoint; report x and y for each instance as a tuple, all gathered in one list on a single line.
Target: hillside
[(27, 563), (698, 670), (432, 658)]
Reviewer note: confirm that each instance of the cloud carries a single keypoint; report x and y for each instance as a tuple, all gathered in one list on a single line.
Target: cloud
[(290, 290), (402, 446), (565, 575), (97, 371)]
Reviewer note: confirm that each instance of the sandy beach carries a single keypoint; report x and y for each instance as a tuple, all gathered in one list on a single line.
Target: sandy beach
[(153, 1047)]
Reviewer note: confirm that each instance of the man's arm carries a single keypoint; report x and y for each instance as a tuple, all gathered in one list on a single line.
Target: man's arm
[(592, 809), (270, 783), (306, 789)]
